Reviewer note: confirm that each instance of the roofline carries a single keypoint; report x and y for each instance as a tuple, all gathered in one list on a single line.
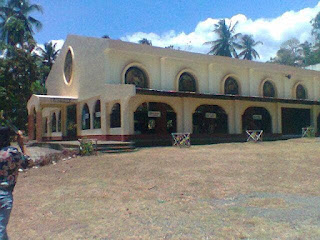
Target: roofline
[(199, 57), (143, 91)]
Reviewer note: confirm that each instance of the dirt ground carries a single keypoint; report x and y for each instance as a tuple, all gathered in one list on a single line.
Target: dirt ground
[(268, 190)]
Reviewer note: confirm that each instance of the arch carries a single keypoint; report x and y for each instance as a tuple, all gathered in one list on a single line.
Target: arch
[(54, 122), (231, 85), (268, 89), (59, 121), (115, 116), (210, 119), (155, 118), (257, 118), (97, 115), (186, 81), (68, 67), (300, 91), (85, 117), (136, 73)]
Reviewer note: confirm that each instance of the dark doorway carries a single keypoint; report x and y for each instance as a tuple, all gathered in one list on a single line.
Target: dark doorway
[(72, 122), (155, 118), (210, 119), (294, 119), (257, 118)]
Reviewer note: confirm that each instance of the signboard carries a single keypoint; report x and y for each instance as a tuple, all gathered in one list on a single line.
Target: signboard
[(211, 115), (86, 116), (98, 114), (257, 117), (154, 114)]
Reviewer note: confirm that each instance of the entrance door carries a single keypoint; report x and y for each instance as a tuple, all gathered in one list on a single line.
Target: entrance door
[(72, 122), (294, 119), (154, 118)]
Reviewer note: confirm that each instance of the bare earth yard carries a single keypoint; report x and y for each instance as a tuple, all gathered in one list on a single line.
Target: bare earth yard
[(269, 190)]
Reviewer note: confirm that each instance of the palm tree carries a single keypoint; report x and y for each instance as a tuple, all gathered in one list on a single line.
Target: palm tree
[(49, 53), (247, 45), (16, 24), (145, 41), (226, 43)]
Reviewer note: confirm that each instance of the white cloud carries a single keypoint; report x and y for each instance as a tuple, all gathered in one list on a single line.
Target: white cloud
[(272, 32)]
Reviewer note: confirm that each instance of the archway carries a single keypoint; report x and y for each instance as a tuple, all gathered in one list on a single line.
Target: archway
[(72, 122), (210, 119), (155, 118), (257, 118)]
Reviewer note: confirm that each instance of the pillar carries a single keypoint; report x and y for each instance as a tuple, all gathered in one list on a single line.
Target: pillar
[(187, 115), (39, 130), (127, 123), (31, 126), (279, 118), (64, 121), (237, 117)]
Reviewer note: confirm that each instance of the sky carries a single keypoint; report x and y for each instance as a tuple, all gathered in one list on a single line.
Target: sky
[(185, 24)]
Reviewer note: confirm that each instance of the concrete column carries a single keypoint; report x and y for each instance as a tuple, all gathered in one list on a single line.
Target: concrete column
[(314, 117), (250, 85), (79, 118), (315, 89), (279, 119), (31, 126), (127, 123), (237, 117), (162, 72), (104, 117), (64, 120), (39, 124), (187, 116)]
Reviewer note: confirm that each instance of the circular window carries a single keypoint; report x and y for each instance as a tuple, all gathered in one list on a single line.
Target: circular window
[(68, 65)]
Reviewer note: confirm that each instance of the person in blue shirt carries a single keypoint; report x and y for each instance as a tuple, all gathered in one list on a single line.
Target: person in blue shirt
[(11, 160)]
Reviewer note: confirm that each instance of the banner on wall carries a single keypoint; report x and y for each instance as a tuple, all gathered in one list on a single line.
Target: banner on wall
[(154, 114)]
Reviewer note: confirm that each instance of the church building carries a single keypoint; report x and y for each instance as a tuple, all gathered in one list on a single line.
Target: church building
[(114, 90)]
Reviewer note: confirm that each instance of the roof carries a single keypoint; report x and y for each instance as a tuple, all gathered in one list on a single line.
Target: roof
[(143, 91), (119, 45)]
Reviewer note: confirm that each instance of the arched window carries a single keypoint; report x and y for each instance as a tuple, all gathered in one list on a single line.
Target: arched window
[(59, 122), (301, 92), (231, 86), (136, 76), (85, 117), (268, 89), (54, 123), (97, 115), (187, 83), (115, 116)]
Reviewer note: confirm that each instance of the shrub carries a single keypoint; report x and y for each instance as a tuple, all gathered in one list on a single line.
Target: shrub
[(86, 148)]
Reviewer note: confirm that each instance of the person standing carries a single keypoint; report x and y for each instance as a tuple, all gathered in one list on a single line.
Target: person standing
[(11, 160)]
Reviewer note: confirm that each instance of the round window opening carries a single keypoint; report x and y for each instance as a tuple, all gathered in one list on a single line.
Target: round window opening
[(68, 62)]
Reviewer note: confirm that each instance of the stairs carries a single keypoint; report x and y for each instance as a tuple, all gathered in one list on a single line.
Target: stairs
[(116, 147)]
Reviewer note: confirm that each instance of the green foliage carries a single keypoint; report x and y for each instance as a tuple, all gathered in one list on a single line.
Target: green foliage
[(145, 41), (226, 43), (86, 148), (247, 46)]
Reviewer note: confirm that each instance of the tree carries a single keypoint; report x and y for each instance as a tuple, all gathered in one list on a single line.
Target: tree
[(145, 41), (49, 53), (16, 24), (290, 53), (106, 36), (226, 43), (316, 27), (247, 44)]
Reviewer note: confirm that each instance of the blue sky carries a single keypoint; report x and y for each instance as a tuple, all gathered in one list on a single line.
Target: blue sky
[(164, 21)]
